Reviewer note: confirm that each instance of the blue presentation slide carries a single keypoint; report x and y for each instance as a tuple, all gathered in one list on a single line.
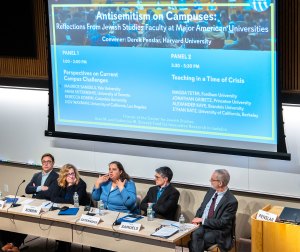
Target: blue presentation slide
[(196, 69)]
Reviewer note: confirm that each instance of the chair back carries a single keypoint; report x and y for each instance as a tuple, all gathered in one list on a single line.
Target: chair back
[(138, 203), (215, 247), (177, 213)]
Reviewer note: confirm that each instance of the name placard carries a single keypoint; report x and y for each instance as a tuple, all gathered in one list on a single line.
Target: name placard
[(32, 210), (131, 227), (2, 204), (266, 216), (89, 220)]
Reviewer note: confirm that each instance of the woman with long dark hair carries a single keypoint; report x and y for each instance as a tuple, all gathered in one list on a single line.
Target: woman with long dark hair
[(115, 189)]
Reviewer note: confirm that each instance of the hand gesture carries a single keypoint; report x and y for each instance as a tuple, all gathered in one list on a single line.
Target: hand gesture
[(72, 182), (121, 184), (102, 179)]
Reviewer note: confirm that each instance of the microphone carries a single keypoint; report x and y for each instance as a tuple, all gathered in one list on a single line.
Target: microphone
[(88, 207), (14, 204), (53, 208), (117, 221)]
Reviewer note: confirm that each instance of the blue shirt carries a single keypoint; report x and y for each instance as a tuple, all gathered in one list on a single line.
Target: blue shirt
[(44, 177), (160, 192), (115, 200), (206, 210)]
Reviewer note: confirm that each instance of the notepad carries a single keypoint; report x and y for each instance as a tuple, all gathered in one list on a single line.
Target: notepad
[(69, 211), (11, 200), (130, 218), (165, 232), (290, 214)]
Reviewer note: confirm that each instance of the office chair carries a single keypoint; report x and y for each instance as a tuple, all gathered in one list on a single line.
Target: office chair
[(215, 247), (177, 213)]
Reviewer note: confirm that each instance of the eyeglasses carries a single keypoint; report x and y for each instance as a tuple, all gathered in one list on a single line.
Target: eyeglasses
[(213, 180), (71, 174), (157, 177), (46, 161)]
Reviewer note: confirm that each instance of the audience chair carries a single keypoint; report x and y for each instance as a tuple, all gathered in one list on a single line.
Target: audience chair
[(215, 248)]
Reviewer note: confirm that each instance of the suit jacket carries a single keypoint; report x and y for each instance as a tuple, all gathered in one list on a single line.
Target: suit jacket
[(65, 195), (166, 205), (223, 219), (36, 181)]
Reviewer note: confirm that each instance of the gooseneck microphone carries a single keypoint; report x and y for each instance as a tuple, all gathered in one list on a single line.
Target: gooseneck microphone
[(88, 207), (117, 221), (14, 204)]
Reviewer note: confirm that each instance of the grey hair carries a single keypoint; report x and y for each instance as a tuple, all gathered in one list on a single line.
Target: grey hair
[(223, 176), (165, 172)]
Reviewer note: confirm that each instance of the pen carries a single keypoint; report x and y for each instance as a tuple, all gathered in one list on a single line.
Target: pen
[(47, 204)]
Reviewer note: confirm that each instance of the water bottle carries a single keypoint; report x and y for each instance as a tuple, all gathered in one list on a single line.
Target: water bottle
[(101, 207), (76, 199), (150, 213), (181, 223)]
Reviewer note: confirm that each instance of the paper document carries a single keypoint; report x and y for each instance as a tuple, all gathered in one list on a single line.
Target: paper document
[(168, 223), (27, 201), (47, 204), (165, 232)]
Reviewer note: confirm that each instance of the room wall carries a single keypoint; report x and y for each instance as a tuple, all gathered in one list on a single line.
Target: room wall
[(24, 118), (190, 197)]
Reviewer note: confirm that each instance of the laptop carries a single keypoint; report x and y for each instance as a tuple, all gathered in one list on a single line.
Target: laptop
[(290, 214)]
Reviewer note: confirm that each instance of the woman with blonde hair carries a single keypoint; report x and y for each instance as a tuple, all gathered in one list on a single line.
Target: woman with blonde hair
[(68, 183)]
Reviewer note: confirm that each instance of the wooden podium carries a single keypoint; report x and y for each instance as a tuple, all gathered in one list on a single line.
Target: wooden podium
[(274, 236)]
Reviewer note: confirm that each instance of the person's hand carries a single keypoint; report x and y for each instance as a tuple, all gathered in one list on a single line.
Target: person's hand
[(33, 184), (102, 179), (120, 184), (197, 221), (73, 182), (44, 188)]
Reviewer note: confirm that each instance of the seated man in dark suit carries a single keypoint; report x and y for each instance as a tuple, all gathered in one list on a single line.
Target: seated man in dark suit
[(41, 181), (215, 216), (164, 196), (39, 187)]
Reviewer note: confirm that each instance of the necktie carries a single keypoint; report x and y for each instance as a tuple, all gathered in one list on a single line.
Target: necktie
[(159, 193), (211, 210)]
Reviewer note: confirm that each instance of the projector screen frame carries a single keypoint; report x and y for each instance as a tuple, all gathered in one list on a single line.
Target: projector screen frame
[(281, 153)]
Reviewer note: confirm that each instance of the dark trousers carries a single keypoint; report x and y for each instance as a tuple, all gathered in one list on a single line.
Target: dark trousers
[(11, 237), (63, 246), (202, 239)]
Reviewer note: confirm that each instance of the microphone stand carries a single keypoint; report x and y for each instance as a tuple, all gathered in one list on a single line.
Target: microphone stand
[(14, 204), (89, 206)]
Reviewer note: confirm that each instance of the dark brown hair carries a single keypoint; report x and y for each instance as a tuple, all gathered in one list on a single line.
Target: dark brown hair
[(48, 155), (123, 174)]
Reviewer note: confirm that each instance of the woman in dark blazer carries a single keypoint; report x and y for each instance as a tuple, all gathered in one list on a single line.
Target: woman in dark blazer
[(68, 183)]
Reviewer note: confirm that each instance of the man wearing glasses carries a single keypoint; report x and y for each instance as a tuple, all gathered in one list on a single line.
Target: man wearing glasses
[(216, 215), (164, 196), (39, 187), (41, 181)]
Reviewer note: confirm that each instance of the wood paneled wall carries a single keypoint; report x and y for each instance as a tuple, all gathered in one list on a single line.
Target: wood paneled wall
[(288, 55), (289, 45), (33, 68)]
